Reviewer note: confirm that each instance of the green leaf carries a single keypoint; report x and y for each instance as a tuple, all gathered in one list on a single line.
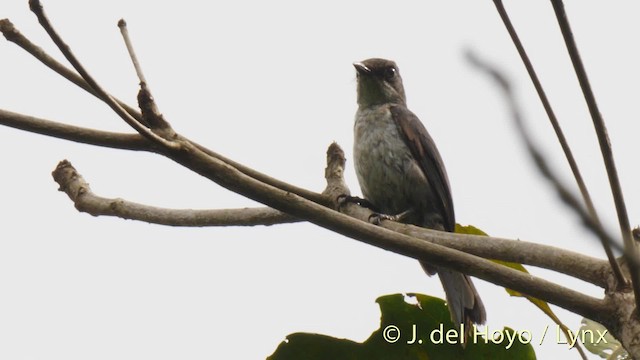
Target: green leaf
[(412, 327)]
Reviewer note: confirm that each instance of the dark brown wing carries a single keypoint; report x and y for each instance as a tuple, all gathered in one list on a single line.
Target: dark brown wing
[(425, 152)]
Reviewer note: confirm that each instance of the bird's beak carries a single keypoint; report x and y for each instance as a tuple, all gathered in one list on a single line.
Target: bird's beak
[(361, 68)]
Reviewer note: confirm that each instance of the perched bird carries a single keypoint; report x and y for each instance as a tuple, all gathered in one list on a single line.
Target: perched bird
[(401, 173)]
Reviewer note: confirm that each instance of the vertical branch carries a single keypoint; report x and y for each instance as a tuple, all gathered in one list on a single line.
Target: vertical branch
[(621, 281), (631, 249)]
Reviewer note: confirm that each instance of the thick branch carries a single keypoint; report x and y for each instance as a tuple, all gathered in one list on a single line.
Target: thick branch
[(234, 180), (592, 270), (589, 269)]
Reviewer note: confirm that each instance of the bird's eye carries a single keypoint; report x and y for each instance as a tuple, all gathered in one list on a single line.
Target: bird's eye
[(390, 73)]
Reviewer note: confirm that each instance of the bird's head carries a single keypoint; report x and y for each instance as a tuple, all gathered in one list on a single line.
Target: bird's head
[(379, 82)]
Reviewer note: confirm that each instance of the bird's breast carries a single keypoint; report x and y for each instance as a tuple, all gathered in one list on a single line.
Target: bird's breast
[(389, 177)]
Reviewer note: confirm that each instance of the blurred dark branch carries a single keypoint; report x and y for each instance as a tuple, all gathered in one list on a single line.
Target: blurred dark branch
[(631, 247), (563, 193), (617, 271)]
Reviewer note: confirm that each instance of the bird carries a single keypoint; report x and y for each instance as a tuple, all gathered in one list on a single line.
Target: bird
[(402, 175)]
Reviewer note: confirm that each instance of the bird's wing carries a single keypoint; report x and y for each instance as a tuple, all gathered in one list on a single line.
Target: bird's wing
[(424, 150)]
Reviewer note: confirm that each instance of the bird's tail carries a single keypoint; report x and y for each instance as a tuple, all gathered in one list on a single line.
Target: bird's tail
[(463, 300)]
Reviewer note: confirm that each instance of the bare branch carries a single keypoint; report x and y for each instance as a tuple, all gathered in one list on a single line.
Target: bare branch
[(617, 271), (78, 190), (587, 268), (13, 35), (75, 133), (631, 247)]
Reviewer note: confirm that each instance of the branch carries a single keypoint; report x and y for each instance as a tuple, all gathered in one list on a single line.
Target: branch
[(631, 247), (73, 184), (76, 133), (617, 271), (15, 36), (583, 267), (78, 190)]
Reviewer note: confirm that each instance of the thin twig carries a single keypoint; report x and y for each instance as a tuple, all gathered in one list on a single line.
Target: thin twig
[(134, 59), (631, 248), (151, 114), (38, 10), (615, 266)]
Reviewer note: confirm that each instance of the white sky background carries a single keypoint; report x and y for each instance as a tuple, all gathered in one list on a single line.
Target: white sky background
[(270, 84)]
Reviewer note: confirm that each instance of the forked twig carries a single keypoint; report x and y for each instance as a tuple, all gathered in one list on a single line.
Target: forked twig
[(12, 34), (615, 266), (90, 136), (38, 10)]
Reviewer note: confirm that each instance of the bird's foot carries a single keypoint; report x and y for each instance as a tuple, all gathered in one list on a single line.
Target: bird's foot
[(345, 199), (376, 218)]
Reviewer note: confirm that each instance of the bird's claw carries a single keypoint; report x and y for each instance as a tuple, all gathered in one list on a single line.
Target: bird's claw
[(376, 218)]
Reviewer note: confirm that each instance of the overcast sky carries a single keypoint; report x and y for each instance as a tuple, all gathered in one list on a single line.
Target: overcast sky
[(270, 84)]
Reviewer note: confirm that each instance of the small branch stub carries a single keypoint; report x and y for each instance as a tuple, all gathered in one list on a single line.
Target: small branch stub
[(69, 180)]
